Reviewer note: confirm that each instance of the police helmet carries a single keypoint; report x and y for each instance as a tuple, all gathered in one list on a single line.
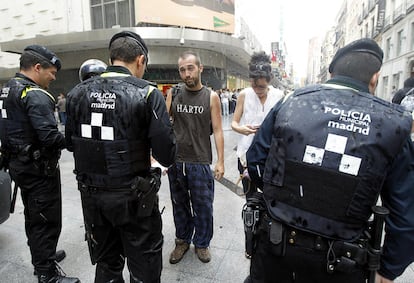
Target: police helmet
[(90, 68)]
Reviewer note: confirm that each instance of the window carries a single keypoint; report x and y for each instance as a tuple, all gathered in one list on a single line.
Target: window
[(400, 42), (385, 86), (387, 48), (109, 13), (395, 82), (400, 39), (412, 36), (372, 26)]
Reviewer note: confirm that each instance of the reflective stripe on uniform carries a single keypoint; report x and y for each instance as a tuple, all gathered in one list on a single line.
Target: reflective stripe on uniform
[(27, 89), (113, 74)]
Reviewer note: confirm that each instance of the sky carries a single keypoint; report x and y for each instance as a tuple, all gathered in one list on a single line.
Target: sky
[(303, 20)]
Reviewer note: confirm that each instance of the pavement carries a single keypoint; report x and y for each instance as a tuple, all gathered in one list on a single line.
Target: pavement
[(228, 263)]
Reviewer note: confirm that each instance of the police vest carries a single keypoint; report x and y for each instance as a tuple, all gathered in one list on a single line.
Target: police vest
[(330, 151), (108, 118), (18, 130)]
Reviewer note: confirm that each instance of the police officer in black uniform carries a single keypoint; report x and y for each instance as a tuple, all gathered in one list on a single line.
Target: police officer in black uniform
[(91, 68), (31, 137), (323, 156), (115, 121)]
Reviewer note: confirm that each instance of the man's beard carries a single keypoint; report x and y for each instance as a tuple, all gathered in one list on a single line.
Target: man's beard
[(192, 82)]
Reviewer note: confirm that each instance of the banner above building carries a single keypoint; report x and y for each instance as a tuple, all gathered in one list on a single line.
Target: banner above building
[(216, 15)]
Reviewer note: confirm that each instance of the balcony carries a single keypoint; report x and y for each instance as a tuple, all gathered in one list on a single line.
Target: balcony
[(360, 19), (398, 14), (387, 23), (410, 6), (371, 5), (365, 13)]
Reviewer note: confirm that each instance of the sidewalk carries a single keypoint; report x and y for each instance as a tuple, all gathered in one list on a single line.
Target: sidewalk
[(228, 264)]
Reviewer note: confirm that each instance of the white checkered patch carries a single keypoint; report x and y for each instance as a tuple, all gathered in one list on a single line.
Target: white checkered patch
[(3, 110), (336, 144), (107, 133)]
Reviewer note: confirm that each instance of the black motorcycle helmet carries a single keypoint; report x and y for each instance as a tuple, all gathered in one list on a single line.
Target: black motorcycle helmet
[(90, 68)]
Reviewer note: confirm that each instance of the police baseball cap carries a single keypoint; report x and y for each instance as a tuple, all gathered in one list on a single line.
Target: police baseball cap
[(135, 37), (46, 54), (364, 45)]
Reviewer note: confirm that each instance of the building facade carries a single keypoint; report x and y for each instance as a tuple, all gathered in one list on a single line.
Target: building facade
[(77, 30), (391, 24)]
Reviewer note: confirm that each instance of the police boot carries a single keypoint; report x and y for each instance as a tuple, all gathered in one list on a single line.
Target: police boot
[(59, 255), (247, 280), (56, 275)]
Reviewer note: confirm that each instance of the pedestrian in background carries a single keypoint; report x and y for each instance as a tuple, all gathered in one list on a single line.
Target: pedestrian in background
[(253, 104), (115, 122), (323, 156), (196, 114), (61, 107), (34, 143), (407, 89), (225, 97)]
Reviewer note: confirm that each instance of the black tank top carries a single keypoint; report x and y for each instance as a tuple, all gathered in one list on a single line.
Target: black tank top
[(192, 118)]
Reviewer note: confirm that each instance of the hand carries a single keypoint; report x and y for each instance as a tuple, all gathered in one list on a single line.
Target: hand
[(380, 279), (248, 129), (219, 171)]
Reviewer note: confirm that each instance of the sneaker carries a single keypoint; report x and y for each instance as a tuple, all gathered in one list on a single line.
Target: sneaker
[(181, 247), (203, 254)]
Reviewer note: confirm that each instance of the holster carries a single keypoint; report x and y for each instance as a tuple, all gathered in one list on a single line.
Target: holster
[(147, 189), (46, 160), (251, 214)]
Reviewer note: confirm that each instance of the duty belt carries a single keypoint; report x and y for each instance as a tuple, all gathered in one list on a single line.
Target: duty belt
[(342, 256)]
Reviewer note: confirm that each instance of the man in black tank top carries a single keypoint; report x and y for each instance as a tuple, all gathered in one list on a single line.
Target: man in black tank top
[(191, 179)]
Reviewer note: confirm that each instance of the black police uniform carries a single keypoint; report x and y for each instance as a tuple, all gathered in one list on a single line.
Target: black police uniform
[(323, 155), (31, 136), (114, 122)]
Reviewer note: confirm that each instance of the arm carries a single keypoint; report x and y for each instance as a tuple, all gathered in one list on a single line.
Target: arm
[(238, 113), (168, 101), (398, 196), (380, 279), (161, 134), (259, 149), (40, 107), (69, 124), (215, 107)]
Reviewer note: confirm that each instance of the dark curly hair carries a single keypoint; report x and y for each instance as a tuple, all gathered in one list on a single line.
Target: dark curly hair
[(259, 66)]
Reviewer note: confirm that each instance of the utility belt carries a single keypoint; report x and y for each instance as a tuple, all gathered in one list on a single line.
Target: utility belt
[(145, 188), (341, 256), (46, 160)]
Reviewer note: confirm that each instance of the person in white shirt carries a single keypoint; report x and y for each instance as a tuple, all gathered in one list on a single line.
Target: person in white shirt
[(253, 104)]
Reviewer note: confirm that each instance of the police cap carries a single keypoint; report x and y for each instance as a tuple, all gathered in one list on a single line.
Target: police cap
[(364, 45), (45, 54), (135, 37)]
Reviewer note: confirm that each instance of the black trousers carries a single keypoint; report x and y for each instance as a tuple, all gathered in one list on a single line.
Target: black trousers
[(115, 232), (42, 200), (272, 263)]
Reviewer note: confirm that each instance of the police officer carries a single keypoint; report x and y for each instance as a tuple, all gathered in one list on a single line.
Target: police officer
[(91, 68), (31, 138), (322, 156), (115, 121), (408, 89)]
